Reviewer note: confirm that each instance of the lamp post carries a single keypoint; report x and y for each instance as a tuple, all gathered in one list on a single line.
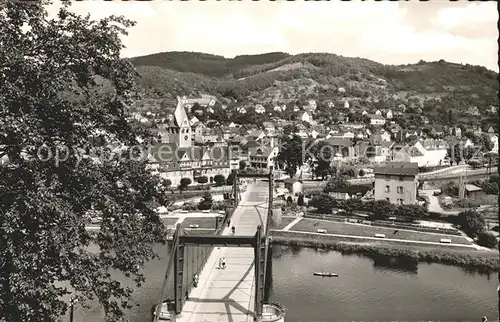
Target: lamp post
[(72, 302)]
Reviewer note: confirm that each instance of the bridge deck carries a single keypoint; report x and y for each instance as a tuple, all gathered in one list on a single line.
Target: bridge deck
[(228, 295)]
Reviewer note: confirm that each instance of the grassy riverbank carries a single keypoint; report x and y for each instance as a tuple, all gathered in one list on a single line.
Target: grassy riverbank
[(457, 256)]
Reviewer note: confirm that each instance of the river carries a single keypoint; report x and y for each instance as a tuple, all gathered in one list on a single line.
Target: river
[(366, 289)]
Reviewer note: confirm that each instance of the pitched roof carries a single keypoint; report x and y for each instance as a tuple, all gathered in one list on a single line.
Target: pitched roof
[(375, 116), (339, 141), (398, 168)]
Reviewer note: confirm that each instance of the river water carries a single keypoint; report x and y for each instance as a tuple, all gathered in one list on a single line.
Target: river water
[(366, 289)]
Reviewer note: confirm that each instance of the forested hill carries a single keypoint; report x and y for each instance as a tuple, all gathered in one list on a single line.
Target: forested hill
[(280, 78), (206, 64)]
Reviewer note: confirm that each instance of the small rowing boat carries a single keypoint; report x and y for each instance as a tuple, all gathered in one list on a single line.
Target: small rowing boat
[(325, 274)]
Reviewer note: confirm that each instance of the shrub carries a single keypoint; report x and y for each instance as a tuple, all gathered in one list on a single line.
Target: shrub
[(184, 183), (206, 202), (361, 173), (219, 180), (202, 180), (300, 200), (486, 239), (323, 202), (230, 179), (471, 222), (243, 164)]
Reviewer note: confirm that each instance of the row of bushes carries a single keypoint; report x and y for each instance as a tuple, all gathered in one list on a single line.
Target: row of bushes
[(378, 209), (377, 223), (430, 256)]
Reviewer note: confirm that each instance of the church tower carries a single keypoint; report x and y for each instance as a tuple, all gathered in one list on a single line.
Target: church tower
[(183, 139)]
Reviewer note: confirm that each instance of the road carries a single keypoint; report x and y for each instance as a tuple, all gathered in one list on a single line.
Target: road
[(434, 205), (228, 295)]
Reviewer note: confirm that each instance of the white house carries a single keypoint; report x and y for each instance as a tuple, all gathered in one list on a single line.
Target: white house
[(341, 90), (293, 185), (494, 140), (278, 108), (346, 104), (313, 105), (262, 157), (427, 153), (306, 117), (314, 134), (376, 119), (377, 112), (331, 105), (296, 109), (193, 120), (349, 135), (389, 114), (364, 113), (242, 110), (259, 109)]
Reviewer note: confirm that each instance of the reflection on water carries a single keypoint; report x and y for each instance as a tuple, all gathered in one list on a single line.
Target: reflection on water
[(376, 288), (397, 265)]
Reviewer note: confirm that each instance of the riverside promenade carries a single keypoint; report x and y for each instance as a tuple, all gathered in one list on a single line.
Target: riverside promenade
[(228, 294)]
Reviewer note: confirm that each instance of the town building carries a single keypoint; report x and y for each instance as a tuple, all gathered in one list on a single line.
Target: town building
[(262, 157), (375, 119), (396, 182), (293, 185), (180, 158)]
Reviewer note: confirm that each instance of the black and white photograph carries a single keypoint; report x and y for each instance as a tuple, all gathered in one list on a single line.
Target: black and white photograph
[(249, 161)]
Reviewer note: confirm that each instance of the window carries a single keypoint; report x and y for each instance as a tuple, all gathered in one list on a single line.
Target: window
[(400, 202), (401, 178), (400, 189), (387, 199), (387, 177), (387, 189)]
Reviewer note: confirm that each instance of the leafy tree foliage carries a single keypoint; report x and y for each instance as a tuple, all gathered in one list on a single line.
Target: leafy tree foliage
[(219, 180), (320, 158), (300, 200), (230, 179), (49, 79), (202, 179), (243, 164), (185, 182), (471, 222), (290, 157), (487, 240), (206, 202)]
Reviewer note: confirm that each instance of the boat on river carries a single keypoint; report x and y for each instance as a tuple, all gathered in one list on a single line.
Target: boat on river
[(325, 274)]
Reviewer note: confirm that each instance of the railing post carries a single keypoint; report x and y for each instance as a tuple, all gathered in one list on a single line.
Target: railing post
[(171, 259), (259, 272), (235, 187), (178, 278)]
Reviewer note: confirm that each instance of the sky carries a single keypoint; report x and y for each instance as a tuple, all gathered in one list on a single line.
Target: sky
[(386, 32)]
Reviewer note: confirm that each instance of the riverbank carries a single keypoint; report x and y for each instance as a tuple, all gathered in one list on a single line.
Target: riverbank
[(487, 261)]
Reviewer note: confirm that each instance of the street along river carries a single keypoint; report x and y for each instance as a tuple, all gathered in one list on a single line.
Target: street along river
[(366, 289)]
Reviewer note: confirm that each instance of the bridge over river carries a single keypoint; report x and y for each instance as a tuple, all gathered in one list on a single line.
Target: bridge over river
[(235, 293)]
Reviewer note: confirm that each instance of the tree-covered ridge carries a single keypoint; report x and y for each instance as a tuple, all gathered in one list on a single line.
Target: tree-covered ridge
[(427, 88), (205, 64)]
